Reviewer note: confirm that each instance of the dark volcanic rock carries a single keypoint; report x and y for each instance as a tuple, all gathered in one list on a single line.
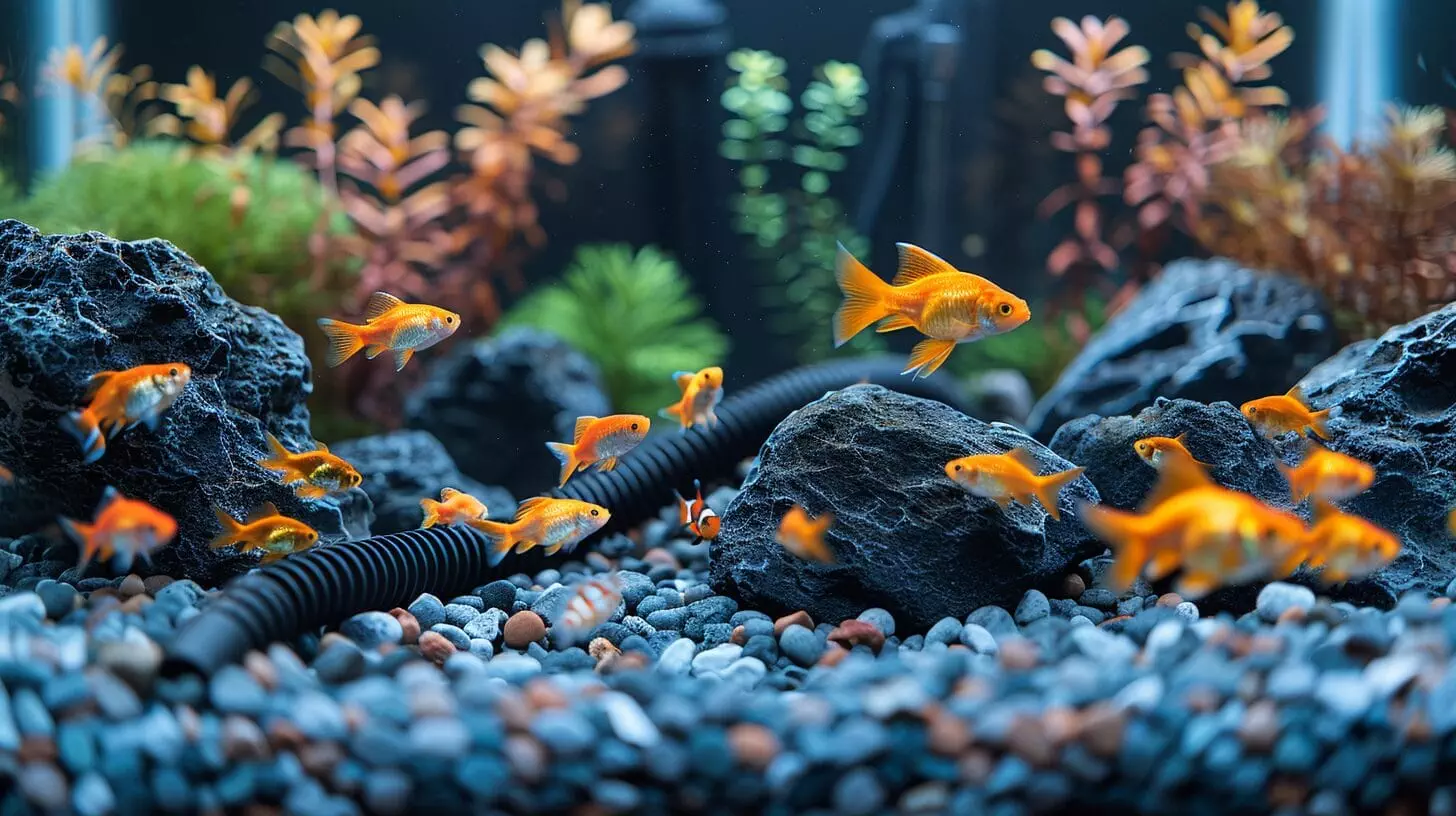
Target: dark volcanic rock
[(1217, 434), (1397, 411), (1204, 331), (402, 467), (73, 305), (496, 403), (907, 539)]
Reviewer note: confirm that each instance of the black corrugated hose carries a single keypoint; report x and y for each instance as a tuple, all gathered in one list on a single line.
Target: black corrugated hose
[(324, 586)]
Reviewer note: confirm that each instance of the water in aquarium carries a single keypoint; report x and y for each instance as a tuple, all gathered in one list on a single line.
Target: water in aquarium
[(728, 407)]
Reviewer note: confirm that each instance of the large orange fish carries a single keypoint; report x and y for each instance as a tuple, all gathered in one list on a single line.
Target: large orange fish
[(123, 399), (590, 605), (265, 529), (122, 527), (598, 441), (1156, 449), (1327, 475), (929, 295), (1342, 546), (453, 509), (803, 535), (697, 516), (700, 395), (552, 524), (1011, 476), (320, 471), (1288, 412), (390, 324)]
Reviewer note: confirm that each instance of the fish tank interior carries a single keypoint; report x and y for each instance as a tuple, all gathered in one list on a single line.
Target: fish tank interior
[(691, 406)]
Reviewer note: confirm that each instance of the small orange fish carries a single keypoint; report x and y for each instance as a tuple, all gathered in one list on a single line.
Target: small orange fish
[(454, 508), (929, 295), (7, 476), (1327, 475), (320, 471), (598, 441), (1155, 449), (804, 536), (1342, 546), (1289, 412), (592, 604), (1451, 522), (697, 516), (390, 324), (122, 527), (1011, 476), (265, 529), (700, 395), (552, 524), (122, 399)]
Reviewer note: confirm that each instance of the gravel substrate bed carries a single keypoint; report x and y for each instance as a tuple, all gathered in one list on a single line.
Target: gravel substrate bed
[(684, 703)]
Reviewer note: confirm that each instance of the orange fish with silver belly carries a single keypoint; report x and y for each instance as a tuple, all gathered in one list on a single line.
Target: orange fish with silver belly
[(1327, 475), (265, 529), (118, 400), (701, 393), (591, 604), (1011, 476), (320, 471), (390, 324), (121, 530), (697, 516), (1156, 449), (454, 508), (598, 441), (552, 524), (1341, 546), (929, 295), (1274, 416)]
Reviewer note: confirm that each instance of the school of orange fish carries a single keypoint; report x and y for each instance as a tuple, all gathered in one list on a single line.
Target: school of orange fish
[(1215, 535)]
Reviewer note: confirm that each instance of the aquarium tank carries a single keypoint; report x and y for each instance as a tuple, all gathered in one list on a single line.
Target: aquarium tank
[(728, 407)]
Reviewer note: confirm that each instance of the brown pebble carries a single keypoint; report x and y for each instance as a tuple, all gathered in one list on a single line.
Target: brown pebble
[(156, 583), (976, 766), (1260, 726), (1073, 586), (436, 648), (331, 639), (131, 585), (242, 740), (255, 809), (541, 695), (630, 661), (319, 758), (1019, 654), (833, 655), (37, 749), (1170, 599), (1061, 724), (284, 735), (1288, 792), (1102, 730), (754, 745), (600, 647), (136, 603), (801, 618), (1118, 619), (857, 632), (262, 669), (659, 556), (945, 733), (740, 637), (1293, 614), (523, 629), (106, 593), (409, 623), (1029, 740)]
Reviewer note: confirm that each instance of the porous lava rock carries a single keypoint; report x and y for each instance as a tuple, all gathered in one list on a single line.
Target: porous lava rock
[(1205, 330), (73, 305), (905, 537)]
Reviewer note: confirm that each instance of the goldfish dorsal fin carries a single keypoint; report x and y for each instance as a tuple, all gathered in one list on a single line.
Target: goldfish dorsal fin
[(320, 447), (262, 511), (1175, 476), (378, 304), (96, 382), (683, 379), (1023, 457), (917, 263), (531, 506), (1297, 394), (448, 493), (582, 423), (1182, 439)]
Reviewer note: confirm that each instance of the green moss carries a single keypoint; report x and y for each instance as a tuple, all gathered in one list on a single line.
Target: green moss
[(634, 315)]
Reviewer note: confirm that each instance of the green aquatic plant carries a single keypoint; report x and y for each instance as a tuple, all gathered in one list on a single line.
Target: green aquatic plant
[(634, 314), (793, 232)]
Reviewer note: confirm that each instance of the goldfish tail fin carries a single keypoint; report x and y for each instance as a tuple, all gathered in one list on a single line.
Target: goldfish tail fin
[(1048, 488), (1319, 423), (673, 411), (344, 340), (927, 356), (1123, 531), (864, 297), (432, 512), (83, 426), (502, 538), (565, 454), (230, 529)]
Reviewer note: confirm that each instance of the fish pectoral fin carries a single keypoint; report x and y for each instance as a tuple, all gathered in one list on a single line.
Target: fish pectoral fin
[(927, 356), (894, 323), (1162, 564), (401, 357), (310, 491), (607, 464), (551, 550), (524, 544), (1002, 500)]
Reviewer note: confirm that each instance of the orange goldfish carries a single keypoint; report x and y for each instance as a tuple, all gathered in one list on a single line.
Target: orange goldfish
[(1288, 412), (598, 441), (589, 606), (453, 509), (697, 516), (7, 476), (390, 324), (122, 526), (123, 399), (946, 305), (1327, 475), (700, 395), (265, 529), (1451, 522), (1343, 545), (804, 536), (1011, 476), (321, 472), (552, 524), (1155, 449)]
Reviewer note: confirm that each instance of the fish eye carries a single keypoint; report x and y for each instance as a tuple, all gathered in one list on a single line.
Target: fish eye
[(634, 426), (173, 372), (449, 321), (1253, 409), (596, 513), (1005, 308), (958, 468)]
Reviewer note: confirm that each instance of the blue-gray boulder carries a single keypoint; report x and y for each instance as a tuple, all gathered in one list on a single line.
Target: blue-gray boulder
[(402, 467), (906, 538)]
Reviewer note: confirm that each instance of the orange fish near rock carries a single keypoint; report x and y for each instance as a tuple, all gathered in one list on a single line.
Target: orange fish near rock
[(390, 324), (803, 536), (700, 395), (265, 529), (122, 399), (454, 508), (320, 471), (7, 476), (122, 527), (697, 516), (598, 441), (929, 295), (1342, 546), (1011, 476), (1327, 475), (1288, 412), (1156, 449), (552, 524)]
